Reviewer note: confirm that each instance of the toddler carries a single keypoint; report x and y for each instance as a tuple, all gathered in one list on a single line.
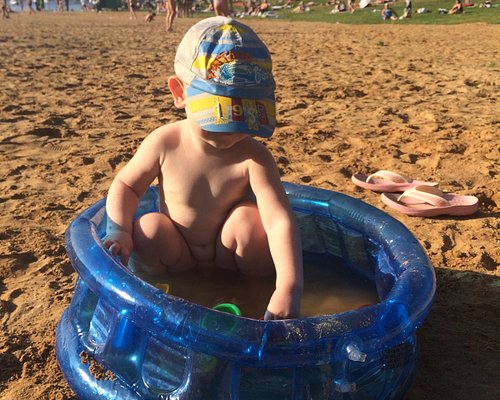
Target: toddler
[(222, 201)]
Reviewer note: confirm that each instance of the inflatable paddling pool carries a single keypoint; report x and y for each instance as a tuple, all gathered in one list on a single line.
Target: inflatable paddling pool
[(156, 346)]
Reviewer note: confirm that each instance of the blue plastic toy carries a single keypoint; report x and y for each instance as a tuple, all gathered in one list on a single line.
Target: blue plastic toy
[(161, 347)]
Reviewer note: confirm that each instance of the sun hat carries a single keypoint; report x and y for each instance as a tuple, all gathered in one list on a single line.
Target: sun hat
[(227, 71)]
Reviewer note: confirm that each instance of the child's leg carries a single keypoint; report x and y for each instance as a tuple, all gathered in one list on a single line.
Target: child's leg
[(158, 245), (243, 242)]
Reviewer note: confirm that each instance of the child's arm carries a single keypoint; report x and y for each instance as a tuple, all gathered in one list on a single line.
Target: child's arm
[(123, 195), (283, 236)]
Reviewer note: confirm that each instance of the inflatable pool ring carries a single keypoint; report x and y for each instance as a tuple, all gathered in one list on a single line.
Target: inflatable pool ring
[(157, 346)]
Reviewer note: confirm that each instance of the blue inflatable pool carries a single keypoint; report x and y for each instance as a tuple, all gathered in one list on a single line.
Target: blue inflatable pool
[(157, 346)]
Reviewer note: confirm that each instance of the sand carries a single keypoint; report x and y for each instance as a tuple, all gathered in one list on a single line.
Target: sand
[(79, 92)]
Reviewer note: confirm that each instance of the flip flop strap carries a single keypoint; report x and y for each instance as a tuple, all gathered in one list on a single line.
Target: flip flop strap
[(424, 194), (389, 175)]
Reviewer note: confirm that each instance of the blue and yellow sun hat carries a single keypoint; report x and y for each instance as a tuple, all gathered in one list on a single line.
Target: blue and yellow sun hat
[(227, 71)]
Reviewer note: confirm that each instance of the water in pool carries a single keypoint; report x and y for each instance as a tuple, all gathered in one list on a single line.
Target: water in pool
[(329, 287)]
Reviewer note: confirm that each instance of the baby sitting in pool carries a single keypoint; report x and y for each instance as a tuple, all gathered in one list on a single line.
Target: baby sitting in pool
[(222, 201)]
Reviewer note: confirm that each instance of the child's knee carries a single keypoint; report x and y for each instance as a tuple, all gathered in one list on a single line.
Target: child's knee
[(245, 241), (243, 222), (151, 226), (158, 243)]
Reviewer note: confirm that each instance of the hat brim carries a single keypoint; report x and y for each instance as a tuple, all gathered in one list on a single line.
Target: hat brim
[(215, 113)]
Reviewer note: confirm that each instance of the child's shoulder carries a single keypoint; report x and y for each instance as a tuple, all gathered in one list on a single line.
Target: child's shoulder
[(167, 132), (172, 128), (163, 138), (257, 151)]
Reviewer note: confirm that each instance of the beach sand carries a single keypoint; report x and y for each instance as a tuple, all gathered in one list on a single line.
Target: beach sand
[(78, 93)]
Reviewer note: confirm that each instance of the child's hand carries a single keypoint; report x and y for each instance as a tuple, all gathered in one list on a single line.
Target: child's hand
[(283, 305), (119, 243)]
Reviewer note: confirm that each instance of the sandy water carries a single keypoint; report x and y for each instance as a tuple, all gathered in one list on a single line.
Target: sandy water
[(329, 287)]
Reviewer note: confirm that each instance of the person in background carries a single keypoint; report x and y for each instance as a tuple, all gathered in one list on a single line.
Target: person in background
[(170, 9), (388, 13), (221, 7), (407, 11), (351, 6), (5, 9), (131, 12), (457, 8)]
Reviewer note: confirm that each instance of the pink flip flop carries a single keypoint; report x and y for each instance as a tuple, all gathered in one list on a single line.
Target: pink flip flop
[(429, 201), (387, 181)]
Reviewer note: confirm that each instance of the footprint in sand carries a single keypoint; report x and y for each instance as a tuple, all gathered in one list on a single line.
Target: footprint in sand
[(297, 108), (9, 233), (487, 262), (159, 92), (11, 366), (11, 107), (121, 158), (82, 196), (448, 243), (55, 207), (346, 172), (14, 294), (282, 161), (26, 112), (45, 131), (55, 121), (410, 158), (136, 76), (122, 115), (22, 260), (17, 170), (88, 160)]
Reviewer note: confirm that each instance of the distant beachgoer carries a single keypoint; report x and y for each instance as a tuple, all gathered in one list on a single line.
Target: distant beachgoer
[(299, 9), (457, 8), (131, 12), (352, 6), (338, 7), (159, 6), (96, 5), (221, 7), (252, 7), (388, 13), (187, 8), (5, 9), (30, 7), (171, 13), (179, 7), (150, 17), (407, 12)]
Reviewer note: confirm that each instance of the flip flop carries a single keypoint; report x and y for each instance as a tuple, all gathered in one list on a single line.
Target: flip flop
[(387, 181), (429, 201)]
